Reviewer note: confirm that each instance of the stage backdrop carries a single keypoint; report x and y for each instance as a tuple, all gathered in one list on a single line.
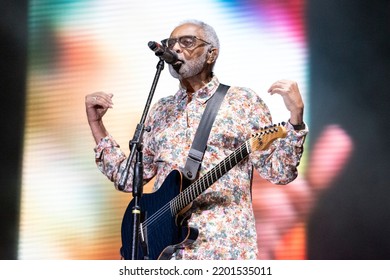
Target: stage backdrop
[(69, 210)]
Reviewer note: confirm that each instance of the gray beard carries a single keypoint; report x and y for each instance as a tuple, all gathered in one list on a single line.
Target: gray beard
[(188, 69)]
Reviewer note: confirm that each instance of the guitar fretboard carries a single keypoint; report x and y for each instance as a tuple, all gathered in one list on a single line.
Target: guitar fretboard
[(195, 189)]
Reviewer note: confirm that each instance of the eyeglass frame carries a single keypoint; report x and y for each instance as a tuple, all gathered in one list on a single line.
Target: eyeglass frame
[(177, 40)]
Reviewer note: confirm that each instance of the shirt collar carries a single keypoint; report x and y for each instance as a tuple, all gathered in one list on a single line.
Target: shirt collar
[(203, 94)]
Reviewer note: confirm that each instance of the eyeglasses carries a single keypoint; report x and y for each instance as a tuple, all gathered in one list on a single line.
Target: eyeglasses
[(187, 42)]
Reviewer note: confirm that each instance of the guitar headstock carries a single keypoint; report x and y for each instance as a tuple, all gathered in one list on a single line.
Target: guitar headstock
[(262, 139)]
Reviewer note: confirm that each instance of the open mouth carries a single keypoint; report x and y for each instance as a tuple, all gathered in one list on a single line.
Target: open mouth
[(179, 61), (177, 65)]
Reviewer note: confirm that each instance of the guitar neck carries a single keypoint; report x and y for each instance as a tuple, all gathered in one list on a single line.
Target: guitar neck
[(259, 141), (196, 188)]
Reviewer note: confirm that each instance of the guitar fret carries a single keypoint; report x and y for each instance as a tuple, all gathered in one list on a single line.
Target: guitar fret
[(202, 186), (206, 183), (176, 205), (185, 197), (230, 163), (172, 206), (235, 157), (194, 194), (216, 176), (241, 152), (224, 167), (247, 147), (180, 205), (188, 197), (181, 202), (216, 173)]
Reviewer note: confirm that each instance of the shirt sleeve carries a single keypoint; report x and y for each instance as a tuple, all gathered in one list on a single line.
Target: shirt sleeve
[(110, 160), (278, 163)]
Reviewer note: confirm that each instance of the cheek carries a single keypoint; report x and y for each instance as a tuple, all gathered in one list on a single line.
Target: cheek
[(194, 55)]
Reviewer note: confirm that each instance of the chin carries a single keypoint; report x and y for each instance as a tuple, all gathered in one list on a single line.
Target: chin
[(173, 72)]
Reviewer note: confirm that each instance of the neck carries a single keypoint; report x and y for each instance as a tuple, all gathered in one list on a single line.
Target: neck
[(195, 83)]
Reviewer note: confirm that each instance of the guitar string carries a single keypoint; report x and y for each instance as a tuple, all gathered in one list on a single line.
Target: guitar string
[(178, 200), (176, 204), (151, 221)]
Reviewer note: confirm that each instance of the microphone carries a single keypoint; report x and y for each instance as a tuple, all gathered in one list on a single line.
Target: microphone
[(162, 52)]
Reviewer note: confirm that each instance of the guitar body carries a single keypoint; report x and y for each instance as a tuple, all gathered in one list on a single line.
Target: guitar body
[(162, 231)]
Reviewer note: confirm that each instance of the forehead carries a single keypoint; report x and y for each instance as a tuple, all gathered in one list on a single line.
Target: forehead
[(187, 29)]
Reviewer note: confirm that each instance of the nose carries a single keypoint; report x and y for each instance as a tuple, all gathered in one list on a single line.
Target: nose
[(176, 47)]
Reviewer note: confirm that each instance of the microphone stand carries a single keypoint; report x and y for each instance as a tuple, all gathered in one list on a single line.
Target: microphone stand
[(136, 146)]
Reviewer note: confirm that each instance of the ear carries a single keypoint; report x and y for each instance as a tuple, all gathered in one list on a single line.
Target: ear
[(212, 55)]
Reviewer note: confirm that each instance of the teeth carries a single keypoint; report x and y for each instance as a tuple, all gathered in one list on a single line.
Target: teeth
[(177, 66)]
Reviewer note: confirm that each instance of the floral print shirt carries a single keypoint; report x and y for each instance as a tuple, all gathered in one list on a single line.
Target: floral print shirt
[(223, 214)]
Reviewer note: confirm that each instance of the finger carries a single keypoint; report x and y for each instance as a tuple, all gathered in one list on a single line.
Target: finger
[(284, 84), (278, 90), (280, 87), (103, 96), (101, 99)]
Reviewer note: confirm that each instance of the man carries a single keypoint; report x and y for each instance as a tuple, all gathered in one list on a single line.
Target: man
[(223, 214)]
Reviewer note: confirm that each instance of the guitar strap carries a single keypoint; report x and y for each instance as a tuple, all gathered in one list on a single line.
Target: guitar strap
[(195, 156)]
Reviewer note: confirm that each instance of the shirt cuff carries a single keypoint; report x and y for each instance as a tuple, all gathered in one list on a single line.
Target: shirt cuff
[(106, 142), (297, 127)]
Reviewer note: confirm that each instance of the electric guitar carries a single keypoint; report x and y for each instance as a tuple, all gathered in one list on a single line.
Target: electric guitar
[(163, 221)]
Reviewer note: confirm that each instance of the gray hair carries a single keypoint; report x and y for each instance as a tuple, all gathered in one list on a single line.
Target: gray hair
[(210, 34)]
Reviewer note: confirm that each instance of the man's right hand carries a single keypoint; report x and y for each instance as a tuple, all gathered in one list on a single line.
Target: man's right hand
[(96, 106)]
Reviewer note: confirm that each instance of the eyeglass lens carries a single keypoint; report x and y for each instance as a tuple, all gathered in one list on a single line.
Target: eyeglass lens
[(184, 41)]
